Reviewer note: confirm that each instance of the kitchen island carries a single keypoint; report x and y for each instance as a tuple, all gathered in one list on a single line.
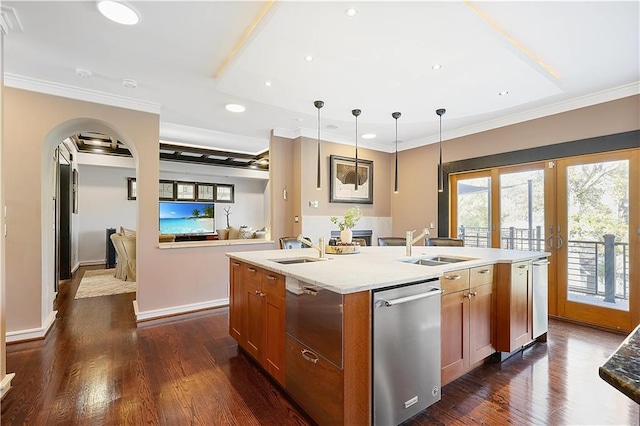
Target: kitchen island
[(486, 307)]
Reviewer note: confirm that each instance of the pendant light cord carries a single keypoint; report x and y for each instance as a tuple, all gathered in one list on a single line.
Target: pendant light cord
[(440, 113), (356, 113), (318, 105), (396, 115)]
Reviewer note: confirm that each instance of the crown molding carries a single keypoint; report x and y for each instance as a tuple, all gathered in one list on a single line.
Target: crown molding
[(329, 137), (533, 114), (207, 138), (72, 92)]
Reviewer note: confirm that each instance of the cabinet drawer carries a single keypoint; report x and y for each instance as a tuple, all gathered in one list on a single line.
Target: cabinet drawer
[(273, 284), (252, 274), (481, 275), (454, 281), (315, 383)]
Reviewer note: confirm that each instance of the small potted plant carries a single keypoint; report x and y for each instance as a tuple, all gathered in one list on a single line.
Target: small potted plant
[(351, 217)]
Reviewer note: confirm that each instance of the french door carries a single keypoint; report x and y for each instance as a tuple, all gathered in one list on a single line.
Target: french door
[(584, 211), (596, 238)]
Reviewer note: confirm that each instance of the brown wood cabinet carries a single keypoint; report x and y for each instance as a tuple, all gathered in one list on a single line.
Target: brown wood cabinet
[(467, 321), (257, 315), (236, 302), (514, 306)]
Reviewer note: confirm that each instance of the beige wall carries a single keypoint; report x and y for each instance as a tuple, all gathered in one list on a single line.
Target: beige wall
[(281, 177), (416, 204), (35, 124), (382, 179)]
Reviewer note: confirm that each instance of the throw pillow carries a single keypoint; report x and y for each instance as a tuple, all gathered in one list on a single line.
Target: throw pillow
[(234, 233), (245, 233), (260, 234)]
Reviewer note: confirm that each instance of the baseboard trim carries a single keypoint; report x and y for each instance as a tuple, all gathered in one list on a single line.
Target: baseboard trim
[(92, 262), (75, 268), (177, 310), (5, 384), (32, 333)]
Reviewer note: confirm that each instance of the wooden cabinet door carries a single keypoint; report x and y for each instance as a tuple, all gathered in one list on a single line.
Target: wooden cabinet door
[(236, 304), (481, 323), (255, 300), (454, 335), (521, 304), (315, 383), (273, 285)]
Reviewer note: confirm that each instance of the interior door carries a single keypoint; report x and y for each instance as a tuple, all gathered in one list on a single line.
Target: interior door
[(593, 238)]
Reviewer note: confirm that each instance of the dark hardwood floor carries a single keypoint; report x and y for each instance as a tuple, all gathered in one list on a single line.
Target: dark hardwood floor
[(96, 367)]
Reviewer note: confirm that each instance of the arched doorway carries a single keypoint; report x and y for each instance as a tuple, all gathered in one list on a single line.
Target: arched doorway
[(49, 162)]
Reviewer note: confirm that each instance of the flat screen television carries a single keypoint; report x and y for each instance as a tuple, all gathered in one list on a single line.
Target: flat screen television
[(186, 218)]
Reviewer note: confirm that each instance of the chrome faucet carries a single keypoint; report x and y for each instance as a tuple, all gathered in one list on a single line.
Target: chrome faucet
[(320, 247), (410, 240)]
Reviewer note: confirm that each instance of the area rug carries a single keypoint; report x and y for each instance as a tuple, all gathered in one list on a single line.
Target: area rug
[(101, 282)]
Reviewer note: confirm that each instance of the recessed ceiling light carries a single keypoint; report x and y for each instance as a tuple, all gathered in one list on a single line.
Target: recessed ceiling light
[(267, 83), (436, 67), (308, 58), (332, 126), (118, 12), (503, 93), (234, 107), (351, 12), (299, 120), (368, 136)]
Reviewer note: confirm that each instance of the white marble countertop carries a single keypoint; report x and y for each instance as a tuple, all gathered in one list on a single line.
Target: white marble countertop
[(376, 267)]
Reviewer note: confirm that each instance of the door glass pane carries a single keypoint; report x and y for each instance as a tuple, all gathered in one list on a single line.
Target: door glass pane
[(474, 212), (522, 211), (598, 234)]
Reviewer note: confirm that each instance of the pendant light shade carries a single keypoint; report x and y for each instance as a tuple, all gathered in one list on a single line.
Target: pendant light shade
[(396, 115), (318, 105), (356, 113), (440, 113)]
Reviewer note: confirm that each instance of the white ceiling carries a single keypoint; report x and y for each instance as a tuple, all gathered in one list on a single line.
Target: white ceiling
[(379, 61)]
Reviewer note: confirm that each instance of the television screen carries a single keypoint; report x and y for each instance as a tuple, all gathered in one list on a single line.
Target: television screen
[(186, 218)]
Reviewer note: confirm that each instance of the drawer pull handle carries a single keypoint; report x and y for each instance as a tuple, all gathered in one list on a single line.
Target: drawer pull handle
[(235, 264), (309, 356), (522, 266), (484, 271), (271, 277), (472, 294), (251, 270), (309, 291), (452, 277)]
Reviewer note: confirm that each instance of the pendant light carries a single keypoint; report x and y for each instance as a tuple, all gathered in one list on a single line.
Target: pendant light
[(318, 105), (440, 113), (396, 115), (356, 113)]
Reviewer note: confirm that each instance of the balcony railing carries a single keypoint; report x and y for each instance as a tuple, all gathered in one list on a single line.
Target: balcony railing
[(595, 268)]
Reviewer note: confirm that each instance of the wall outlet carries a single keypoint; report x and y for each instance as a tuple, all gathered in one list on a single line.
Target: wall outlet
[(432, 226), (313, 204)]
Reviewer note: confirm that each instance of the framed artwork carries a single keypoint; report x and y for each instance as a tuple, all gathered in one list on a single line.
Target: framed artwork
[(342, 180), (205, 192), (185, 191), (224, 193), (166, 190), (132, 189)]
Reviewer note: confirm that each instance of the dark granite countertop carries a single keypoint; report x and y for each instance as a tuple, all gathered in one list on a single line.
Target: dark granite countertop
[(622, 369)]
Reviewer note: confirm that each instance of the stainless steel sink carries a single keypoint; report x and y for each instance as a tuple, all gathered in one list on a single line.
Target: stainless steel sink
[(436, 260), (294, 260)]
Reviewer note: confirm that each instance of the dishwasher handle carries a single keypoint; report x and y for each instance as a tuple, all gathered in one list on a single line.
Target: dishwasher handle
[(406, 299)]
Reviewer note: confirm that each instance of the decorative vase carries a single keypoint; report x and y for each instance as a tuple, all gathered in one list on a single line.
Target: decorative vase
[(345, 236)]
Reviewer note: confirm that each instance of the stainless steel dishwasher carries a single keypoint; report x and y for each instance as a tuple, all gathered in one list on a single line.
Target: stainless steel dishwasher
[(406, 351)]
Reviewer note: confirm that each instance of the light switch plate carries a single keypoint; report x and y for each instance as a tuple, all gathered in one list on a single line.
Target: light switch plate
[(313, 204), (296, 219)]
